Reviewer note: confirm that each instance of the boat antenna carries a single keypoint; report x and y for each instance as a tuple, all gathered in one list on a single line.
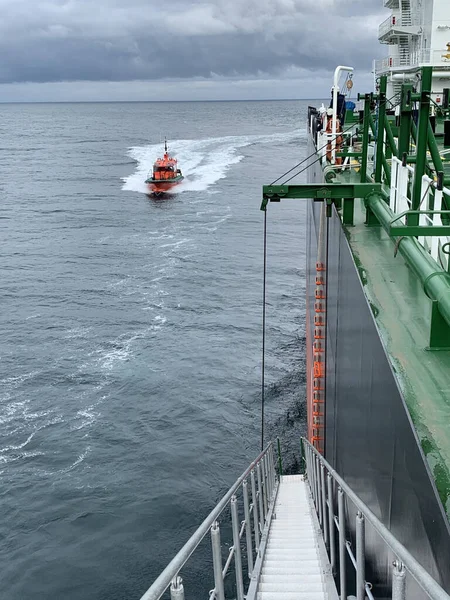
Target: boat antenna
[(165, 144)]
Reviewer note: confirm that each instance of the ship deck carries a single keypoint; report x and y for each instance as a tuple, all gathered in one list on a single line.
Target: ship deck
[(401, 310)]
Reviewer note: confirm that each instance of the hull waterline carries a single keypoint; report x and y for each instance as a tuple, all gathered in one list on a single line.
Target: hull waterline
[(161, 187)]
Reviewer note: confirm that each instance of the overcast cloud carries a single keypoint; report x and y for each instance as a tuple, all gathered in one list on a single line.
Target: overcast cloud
[(154, 50)]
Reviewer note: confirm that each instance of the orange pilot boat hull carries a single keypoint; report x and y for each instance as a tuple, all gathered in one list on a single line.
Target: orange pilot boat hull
[(165, 174), (159, 187)]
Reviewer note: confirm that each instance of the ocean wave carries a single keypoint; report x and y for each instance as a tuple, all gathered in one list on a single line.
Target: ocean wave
[(18, 446), (16, 380), (121, 349)]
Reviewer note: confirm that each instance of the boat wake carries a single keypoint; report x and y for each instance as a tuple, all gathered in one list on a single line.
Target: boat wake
[(203, 162)]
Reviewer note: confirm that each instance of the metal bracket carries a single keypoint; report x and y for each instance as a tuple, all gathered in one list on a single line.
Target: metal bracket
[(319, 191), (418, 230), (334, 193)]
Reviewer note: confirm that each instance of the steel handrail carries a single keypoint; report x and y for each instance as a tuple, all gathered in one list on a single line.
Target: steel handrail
[(422, 577), (160, 585)]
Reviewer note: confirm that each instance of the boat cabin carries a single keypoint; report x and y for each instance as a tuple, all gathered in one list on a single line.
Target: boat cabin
[(166, 167)]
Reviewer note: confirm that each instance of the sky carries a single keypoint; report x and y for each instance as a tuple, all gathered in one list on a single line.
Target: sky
[(96, 50)]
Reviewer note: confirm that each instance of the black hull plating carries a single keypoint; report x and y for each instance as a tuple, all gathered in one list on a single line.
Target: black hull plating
[(369, 436)]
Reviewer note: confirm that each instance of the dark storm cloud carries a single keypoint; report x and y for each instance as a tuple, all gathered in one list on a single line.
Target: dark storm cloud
[(118, 40)]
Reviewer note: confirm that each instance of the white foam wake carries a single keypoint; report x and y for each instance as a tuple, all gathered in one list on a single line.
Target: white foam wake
[(203, 162)]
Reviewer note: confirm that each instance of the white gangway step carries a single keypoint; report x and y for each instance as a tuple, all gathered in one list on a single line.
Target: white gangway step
[(295, 565)]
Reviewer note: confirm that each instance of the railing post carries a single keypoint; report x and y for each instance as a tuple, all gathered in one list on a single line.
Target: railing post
[(176, 588), (360, 559), (268, 479), (314, 471), (217, 561), (312, 476), (248, 532), (324, 504), (272, 482), (422, 140), (398, 581), (262, 516), (302, 454), (237, 549), (272, 463), (404, 130), (331, 523), (319, 490), (365, 140), (255, 510), (342, 556), (380, 129), (280, 464), (264, 483), (308, 471), (269, 474)]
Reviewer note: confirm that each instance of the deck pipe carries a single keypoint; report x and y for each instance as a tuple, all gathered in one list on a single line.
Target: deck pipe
[(435, 281)]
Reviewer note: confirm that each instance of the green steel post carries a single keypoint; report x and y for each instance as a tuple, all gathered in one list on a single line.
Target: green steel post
[(386, 167), (422, 141), (372, 125), (414, 132), (439, 330), (381, 129), (390, 138), (434, 150), (405, 120), (439, 167), (347, 213), (365, 140), (280, 464)]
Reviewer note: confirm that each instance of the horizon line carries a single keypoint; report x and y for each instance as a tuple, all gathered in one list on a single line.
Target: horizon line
[(150, 101)]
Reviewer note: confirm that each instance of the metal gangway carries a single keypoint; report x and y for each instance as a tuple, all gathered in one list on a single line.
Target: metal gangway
[(296, 544)]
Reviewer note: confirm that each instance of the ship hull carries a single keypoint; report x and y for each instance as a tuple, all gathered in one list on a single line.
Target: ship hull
[(368, 435), (160, 187)]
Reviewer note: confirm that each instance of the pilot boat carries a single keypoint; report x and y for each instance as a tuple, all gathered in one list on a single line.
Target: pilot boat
[(165, 173)]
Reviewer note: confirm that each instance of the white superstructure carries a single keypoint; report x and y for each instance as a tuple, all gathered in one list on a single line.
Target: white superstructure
[(417, 34)]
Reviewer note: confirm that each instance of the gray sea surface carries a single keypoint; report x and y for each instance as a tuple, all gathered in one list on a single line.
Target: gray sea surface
[(130, 349)]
